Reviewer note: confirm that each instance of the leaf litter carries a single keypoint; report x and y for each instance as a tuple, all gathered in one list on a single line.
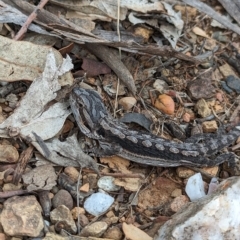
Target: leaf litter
[(156, 41)]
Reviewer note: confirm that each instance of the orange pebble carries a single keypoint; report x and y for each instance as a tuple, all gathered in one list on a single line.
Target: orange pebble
[(165, 104)]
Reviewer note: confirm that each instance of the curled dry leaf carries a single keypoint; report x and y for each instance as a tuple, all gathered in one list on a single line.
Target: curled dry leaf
[(16, 54), (165, 104), (200, 32)]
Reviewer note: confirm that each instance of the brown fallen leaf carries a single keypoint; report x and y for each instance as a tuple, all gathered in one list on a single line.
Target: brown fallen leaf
[(94, 68)]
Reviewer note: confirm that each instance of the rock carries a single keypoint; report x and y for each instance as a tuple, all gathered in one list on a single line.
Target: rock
[(184, 172), (92, 179), (21, 216), (178, 203), (98, 203), (83, 220), (62, 197), (77, 210), (127, 102), (160, 85), (165, 104), (234, 83), (84, 188), (113, 233), (107, 184), (211, 170), (8, 154), (195, 187), (12, 100), (213, 185), (225, 87), (176, 192), (40, 178), (94, 230), (133, 233), (213, 217), (72, 172), (111, 218), (202, 108), (201, 88), (210, 126), (11, 187), (227, 70), (54, 236), (62, 214)]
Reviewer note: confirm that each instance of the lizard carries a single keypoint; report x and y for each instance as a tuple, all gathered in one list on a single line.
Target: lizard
[(115, 138)]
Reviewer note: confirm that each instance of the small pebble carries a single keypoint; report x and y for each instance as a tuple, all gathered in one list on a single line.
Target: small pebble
[(113, 233), (127, 102), (85, 188), (107, 184), (210, 126), (225, 87), (98, 203), (62, 197), (195, 187), (178, 203), (213, 186), (165, 104), (72, 172), (160, 85), (77, 210), (234, 83), (202, 108), (83, 220), (96, 229)]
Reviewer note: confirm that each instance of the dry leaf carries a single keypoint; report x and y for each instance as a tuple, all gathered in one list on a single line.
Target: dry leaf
[(30, 115), (198, 31), (15, 63)]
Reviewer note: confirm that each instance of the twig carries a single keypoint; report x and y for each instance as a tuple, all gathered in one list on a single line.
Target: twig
[(78, 184), (118, 175), (12, 193), (31, 17), (22, 163)]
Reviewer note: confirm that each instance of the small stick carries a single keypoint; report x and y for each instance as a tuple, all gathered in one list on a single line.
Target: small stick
[(31, 17)]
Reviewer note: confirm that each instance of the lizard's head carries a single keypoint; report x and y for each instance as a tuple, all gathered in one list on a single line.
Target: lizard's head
[(88, 109)]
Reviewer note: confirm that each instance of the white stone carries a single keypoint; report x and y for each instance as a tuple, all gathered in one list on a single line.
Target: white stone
[(195, 187), (98, 203), (214, 217)]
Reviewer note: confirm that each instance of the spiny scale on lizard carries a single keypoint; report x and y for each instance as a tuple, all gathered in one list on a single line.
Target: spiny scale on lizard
[(115, 137)]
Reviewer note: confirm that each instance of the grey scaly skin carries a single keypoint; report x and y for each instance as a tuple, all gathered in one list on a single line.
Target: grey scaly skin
[(116, 138)]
